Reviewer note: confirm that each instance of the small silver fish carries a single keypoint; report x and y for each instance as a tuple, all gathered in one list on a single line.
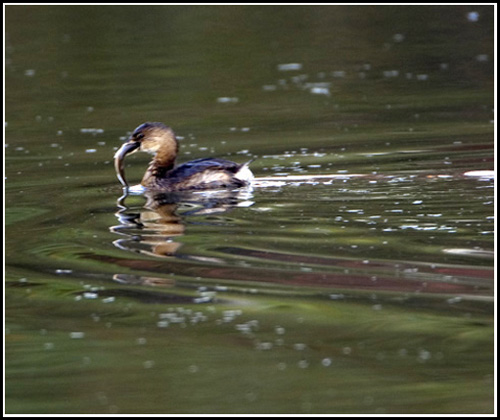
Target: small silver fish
[(120, 154)]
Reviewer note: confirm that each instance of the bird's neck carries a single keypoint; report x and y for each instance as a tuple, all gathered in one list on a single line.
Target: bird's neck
[(157, 169), (162, 162)]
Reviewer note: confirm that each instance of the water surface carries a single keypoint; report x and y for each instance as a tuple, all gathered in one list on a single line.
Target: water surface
[(355, 276)]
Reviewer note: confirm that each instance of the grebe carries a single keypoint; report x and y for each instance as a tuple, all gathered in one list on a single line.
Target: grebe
[(162, 174)]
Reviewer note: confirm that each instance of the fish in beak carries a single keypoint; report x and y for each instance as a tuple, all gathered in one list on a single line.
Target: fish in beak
[(128, 147)]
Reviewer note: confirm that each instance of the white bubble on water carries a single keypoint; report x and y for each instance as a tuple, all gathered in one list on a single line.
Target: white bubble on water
[(303, 364), (423, 355), (48, 346), (289, 66), (148, 364), (227, 99), (473, 16)]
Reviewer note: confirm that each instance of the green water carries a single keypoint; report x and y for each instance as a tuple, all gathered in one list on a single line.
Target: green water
[(355, 276)]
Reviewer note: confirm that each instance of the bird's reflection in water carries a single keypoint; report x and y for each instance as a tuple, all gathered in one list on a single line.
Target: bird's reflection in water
[(153, 229)]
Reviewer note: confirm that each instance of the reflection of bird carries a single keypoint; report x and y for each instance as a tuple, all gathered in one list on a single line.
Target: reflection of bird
[(162, 174), (153, 230)]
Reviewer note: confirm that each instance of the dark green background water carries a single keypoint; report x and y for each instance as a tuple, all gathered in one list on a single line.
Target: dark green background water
[(344, 294)]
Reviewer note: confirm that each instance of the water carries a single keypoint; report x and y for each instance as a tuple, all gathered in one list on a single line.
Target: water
[(354, 276)]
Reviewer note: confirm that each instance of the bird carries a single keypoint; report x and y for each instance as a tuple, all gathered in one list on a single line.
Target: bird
[(162, 173)]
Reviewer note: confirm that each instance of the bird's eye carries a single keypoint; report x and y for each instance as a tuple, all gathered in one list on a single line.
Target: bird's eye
[(139, 136)]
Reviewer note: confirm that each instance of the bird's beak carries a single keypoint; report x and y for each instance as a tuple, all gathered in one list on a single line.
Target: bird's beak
[(120, 154)]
